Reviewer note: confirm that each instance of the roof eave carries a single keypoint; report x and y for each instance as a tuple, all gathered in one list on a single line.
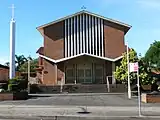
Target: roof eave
[(72, 57), (87, 12)]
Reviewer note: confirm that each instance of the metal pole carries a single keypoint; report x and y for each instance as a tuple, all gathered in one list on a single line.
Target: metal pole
[(61, 88), (28, 75), (108, 87), (129, 86), (139, 94)]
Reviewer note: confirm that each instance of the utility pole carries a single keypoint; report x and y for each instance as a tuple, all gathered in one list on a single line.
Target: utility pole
[(129, 84), (28, 75)]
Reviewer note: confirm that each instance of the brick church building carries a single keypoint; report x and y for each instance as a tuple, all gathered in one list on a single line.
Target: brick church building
[(82, 48)]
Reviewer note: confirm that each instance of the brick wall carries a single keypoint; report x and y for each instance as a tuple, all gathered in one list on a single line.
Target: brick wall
[(113, 40), (4, 74), (54, 41)]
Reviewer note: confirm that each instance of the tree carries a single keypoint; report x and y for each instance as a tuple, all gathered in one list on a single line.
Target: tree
[(20, 60), (22, 63), (7, 64), (121, 71), (33, 66), (152, 56)]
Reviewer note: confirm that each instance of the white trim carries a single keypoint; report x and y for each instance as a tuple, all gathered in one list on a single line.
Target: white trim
[(68, 37), (82, 54), (90, 39), (65, 39), (71, 37), (102, 31), (96, 40), (87, 33), (120, 57), (87, 12), (83, 30), (93, 34), (99, 37), (74, 53), (77, 35), (80, 34), (47, 58)]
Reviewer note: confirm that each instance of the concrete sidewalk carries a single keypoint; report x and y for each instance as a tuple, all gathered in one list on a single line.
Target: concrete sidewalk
[(74, 107), (77, 94), (76, 111)]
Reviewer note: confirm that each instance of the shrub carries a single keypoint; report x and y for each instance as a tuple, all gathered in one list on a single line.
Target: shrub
[(17, 84)]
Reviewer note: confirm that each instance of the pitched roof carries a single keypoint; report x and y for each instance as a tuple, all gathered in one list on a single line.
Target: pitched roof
[(40, 28), (40, 50), (3, 66)]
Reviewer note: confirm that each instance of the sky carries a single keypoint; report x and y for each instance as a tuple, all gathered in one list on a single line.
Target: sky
[(142, 15)]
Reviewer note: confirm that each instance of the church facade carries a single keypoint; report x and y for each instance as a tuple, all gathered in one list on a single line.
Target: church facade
[(82, 48)]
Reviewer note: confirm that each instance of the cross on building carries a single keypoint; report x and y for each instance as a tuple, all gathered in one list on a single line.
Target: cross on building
[(12, 7), (83, 7)]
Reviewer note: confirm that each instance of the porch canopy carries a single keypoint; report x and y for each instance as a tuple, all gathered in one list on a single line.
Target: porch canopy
[(85, 68), (75, 56)]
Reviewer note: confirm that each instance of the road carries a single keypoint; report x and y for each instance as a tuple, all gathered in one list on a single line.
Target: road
[(102, 106)]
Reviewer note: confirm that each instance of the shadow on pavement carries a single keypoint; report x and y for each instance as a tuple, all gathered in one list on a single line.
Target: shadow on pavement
[(37, 96)]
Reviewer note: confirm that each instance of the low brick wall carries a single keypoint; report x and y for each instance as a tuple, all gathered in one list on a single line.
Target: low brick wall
[(148, 98), (146, 87), (14, 96), (6, 96)]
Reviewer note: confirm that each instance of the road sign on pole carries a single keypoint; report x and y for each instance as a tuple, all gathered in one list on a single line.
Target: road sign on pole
[(139, 94), (133, 67)]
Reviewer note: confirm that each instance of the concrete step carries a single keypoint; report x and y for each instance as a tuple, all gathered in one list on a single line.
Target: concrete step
[(82, 88)]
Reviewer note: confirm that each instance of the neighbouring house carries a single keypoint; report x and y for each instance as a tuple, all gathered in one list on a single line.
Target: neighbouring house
[(82, 48), (4, 73)]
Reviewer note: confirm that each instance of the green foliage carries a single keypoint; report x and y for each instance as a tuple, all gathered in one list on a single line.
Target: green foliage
[(20, 60), (152, 56), (121, 71), (22, 63), (33, 66), (17, 84)]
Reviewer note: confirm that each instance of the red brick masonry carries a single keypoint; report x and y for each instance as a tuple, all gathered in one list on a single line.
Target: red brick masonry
[(6, 96), (148, 98)]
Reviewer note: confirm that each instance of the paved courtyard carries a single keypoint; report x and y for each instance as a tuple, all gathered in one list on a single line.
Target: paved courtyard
[(99, 106)]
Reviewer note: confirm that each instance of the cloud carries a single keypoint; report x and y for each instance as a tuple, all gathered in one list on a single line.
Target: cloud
[(149, 4)]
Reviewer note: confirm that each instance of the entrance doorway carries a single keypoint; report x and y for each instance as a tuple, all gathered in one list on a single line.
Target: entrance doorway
[(84, 73)]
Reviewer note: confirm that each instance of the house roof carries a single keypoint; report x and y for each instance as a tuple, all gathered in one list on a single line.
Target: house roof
[(40, 28), (3, 66), (40, 50), (83, 54)]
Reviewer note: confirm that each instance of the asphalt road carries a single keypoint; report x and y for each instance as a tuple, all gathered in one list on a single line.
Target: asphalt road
[(78, 118), (69, 107)]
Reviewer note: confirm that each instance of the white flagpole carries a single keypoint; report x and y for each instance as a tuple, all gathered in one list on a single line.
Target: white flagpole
[(139, 94), (129, 85)]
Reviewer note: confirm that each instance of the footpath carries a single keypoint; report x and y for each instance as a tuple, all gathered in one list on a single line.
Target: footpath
[(77, 112)]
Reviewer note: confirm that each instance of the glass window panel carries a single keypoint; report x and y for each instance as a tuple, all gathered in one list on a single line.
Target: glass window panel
[(98, 72), (70, 73), (80, 73), (88, 80), (88, 73)]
